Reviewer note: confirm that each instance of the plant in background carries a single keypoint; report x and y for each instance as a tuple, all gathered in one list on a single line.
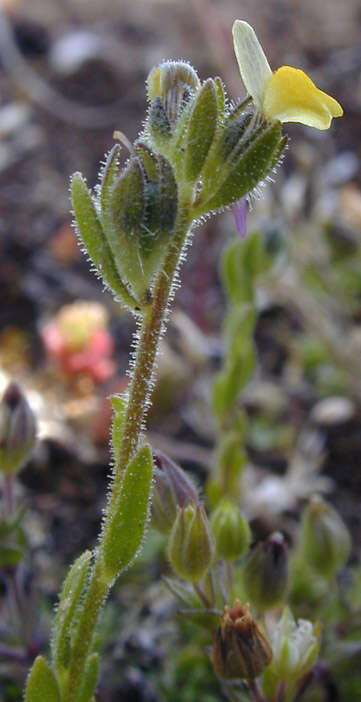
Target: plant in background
[(78, 340), (196, 155), (17, 440)]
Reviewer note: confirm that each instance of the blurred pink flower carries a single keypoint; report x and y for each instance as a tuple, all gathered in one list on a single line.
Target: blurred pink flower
[(79, 341)]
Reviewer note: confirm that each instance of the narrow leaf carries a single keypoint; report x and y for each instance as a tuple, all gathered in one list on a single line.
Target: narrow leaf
[(253, 165), (201, 129), (108, 176), (91, 233), (90, 679), (124, 536), (73, 589), (41, 685)]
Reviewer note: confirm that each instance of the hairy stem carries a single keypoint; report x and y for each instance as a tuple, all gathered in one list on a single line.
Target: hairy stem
[(139, 397)]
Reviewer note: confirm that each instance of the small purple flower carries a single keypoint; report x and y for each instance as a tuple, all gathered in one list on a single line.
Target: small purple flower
[(240, 216)]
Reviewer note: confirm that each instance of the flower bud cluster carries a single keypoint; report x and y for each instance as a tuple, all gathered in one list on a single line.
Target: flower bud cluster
[(224, 152)]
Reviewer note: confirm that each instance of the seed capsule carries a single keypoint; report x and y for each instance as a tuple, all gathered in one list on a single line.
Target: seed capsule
[(240, 648)]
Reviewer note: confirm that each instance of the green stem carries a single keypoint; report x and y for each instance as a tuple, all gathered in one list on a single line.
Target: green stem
[(138, 403)]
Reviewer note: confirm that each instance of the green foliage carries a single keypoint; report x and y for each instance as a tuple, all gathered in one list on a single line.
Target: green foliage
[(67, 612), (41, 683), (125, 533), (246, 166), (241, 263), (196, 155), (201, 129), (91, 233), (120, 403), (90, 679)]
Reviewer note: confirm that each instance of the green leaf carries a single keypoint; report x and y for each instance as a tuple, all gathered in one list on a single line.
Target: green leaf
[(231, 380), (148, 158), (241, 262), (91, 233), (90, 679), (201, 129), (246, 167), (123, 538), (108, 177), (73, 590), (239, 326), (41, 685), (120, 403), (221, 100)]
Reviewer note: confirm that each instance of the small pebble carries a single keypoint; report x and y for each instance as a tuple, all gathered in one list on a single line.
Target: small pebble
[(333, 410)]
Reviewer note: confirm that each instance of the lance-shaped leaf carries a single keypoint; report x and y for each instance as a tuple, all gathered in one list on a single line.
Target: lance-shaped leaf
[(248, 168), (41, 685), (124, 534), (201, 129), (90, 679), (221, 99), (73, 589), (109, 175), (91, 233)]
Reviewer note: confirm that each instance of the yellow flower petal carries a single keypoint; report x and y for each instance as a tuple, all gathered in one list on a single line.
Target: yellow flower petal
[(291, 96), (253, 65)]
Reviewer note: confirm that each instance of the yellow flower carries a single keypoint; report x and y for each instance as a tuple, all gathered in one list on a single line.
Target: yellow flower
[(288, 94)]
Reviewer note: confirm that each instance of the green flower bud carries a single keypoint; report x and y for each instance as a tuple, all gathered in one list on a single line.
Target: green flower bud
[(140, 216), (265, 574), (231, 531), (171, 84), (326, 541), (17, 430), (295, 647), (240, 648), (191, 543), (128, 200), (173, 488)]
